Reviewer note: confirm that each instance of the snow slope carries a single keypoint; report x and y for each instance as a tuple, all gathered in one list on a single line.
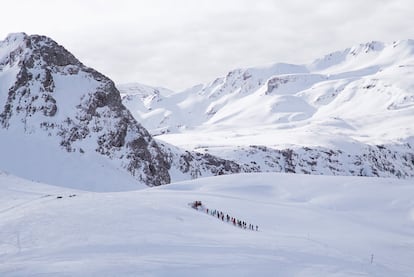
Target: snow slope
[(308, 226), (36, 158)]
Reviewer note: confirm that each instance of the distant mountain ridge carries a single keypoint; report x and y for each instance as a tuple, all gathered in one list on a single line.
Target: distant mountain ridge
[(295, 91), (359, 101)]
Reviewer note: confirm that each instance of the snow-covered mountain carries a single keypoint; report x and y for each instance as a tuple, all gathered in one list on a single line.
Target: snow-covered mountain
[(67, 133), (348, 113), (372, 78), (64, 123)]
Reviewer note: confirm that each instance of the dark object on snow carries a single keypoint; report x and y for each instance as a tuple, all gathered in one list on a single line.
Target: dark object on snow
[(72, 195), (59, 197), (196, 204)]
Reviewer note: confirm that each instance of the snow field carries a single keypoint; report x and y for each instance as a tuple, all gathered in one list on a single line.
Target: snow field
[(308, 226)]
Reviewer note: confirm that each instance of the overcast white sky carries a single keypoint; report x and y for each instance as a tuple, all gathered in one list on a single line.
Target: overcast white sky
[(180, 43)]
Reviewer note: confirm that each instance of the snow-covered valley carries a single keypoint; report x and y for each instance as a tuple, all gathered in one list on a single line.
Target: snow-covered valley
[(308, 226), (78, 155)]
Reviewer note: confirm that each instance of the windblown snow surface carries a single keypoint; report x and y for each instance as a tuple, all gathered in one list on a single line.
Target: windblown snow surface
[(308, 226)]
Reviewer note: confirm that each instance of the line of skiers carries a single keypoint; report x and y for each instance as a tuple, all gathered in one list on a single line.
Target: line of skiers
[(220, 215), (233, 220)]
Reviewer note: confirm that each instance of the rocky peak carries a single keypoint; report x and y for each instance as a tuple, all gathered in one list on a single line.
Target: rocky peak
[(54, 94), (28, 49)]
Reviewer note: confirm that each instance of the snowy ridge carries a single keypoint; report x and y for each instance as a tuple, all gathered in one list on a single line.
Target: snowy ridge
[(359, 101)]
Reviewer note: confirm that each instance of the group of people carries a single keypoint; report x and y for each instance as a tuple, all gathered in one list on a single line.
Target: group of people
[(225, 217)]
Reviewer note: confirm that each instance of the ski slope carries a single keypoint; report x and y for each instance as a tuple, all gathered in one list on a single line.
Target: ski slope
[(308, 226)]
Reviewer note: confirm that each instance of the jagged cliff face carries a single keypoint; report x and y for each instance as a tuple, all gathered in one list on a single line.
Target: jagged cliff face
[(47, 91)]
